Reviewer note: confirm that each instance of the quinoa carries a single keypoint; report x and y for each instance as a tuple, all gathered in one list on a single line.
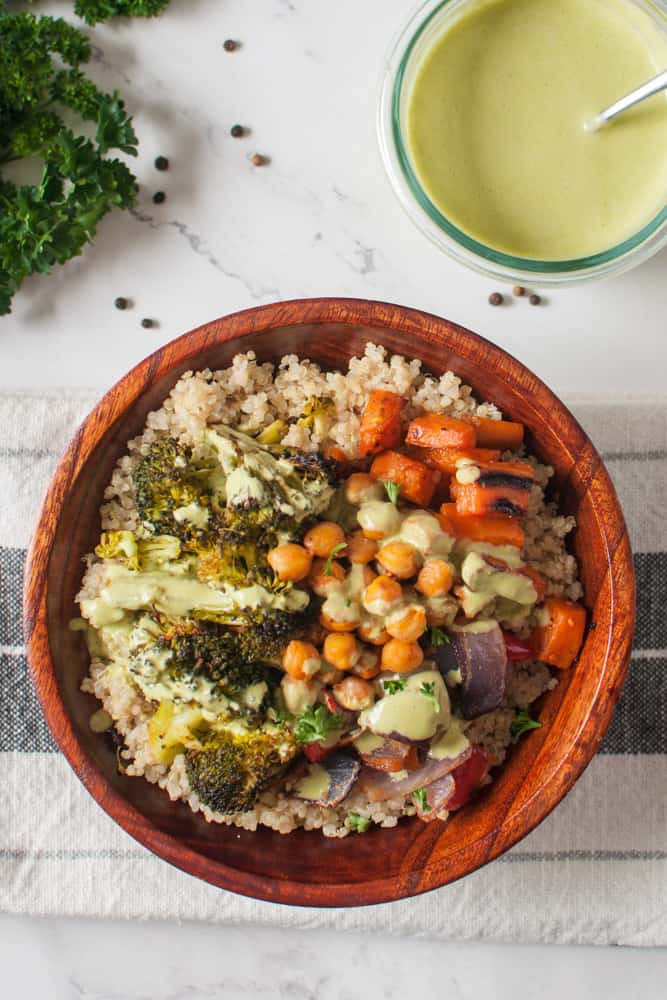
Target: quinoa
[(250, 396)]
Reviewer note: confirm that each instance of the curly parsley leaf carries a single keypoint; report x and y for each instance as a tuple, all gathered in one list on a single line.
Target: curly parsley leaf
[(48, 223), (393, 490), (427, 688), (328, 565), (93, 11), (315, 724), (356, 822), (420, 797), (523, 722), (438, 637), (394, 686)]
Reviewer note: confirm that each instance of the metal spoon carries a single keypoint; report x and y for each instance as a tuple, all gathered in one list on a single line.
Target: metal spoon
[(653, 86)]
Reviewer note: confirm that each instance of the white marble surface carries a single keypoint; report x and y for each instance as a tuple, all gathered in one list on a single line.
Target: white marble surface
[(320, 219)]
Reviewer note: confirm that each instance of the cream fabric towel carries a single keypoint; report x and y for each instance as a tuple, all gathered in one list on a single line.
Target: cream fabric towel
[(595, 872)]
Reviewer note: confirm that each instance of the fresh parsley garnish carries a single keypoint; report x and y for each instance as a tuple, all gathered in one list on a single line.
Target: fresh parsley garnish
[(328, 565), (42, 91), (419, 795), (348, 602), (523, 723), (315, 724), (393, 490), (356, 822), (427, 688), (438, 637), (393, 687)]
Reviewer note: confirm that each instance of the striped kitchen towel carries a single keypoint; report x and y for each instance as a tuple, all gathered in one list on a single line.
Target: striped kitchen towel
[(594, 872)]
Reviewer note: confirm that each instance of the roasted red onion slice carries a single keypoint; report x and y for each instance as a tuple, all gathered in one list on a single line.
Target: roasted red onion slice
[(481, 656), (378, 786), (342, 770), (437, 794)]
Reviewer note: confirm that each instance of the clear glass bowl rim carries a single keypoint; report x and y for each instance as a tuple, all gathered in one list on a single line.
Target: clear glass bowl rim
[(453, 241)]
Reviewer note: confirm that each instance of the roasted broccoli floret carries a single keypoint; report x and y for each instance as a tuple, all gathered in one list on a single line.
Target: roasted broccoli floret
[(171, 492), (236, 764), (317, 414), (312, 467), (119, 545), (240, 663)]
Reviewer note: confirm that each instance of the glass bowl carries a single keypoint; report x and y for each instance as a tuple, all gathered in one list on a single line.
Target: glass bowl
[(403, 61)]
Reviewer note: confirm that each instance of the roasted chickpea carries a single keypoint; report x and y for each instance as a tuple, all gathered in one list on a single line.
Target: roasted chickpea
[(378, 519), (354, 694), (436, 578), (368, 665), (407, 624), (328, 673), (441, 610), (342, 650), (361, 487), (382, 595), (359, 548), (372, 631), (323, 583), (290, 561), (301, 660), (299, 695), (323, 538), (334, 625), (401, 657), (399, 559)]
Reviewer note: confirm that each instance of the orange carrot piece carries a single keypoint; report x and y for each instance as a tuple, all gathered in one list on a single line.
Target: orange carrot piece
[(521, 470), (445, 459), (473, 498), (416, 480), (435, 430), (559, 642), (501, 434), (380, 426), (495, 529)]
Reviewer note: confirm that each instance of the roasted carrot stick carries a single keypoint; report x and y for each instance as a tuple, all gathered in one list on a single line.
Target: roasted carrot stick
[(477, 499), (416, 480), (501, 434), (496, 529), (559, 642), (380, 426), (435, 430)]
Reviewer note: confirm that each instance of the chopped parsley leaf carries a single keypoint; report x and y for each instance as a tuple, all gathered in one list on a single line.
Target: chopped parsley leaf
[(393, 687), (419, 795), (393, 490), (427, 688), (523, 723), (328, 566), (316, 723), (356, 822), (438, 637)]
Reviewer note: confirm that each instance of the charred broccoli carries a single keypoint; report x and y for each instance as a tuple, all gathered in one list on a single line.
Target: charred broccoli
[(236, 764), (171, 492)]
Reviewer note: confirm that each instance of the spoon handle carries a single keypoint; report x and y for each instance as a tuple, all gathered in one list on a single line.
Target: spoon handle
[(648, 89)]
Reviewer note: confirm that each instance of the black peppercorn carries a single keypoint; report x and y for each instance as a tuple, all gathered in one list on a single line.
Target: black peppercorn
[(518, 290), (161, 163), (534, 300), (147, 323), (495, 299), (121, 303), (159, 197), (236, 131), (230, 45)]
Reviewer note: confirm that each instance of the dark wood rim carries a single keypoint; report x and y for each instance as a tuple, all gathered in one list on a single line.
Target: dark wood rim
[(528, 806)]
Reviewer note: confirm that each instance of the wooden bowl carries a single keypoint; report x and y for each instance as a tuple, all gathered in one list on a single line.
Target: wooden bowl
[(307, 868)]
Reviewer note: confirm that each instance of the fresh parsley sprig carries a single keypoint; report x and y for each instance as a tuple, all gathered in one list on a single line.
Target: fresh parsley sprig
[(328, 565), (420, 797), (427, 688), (438, 637), (393, 490), (394, 686), (356, 822), (315, 724), (523, 722)]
